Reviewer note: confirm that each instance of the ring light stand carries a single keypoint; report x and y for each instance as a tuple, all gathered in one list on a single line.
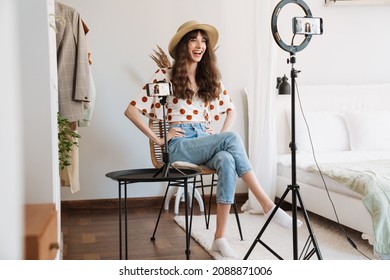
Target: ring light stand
[(294, 187)]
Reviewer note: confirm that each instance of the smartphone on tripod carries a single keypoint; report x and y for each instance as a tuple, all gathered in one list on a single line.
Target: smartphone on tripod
[(159, 89), (307, 25)]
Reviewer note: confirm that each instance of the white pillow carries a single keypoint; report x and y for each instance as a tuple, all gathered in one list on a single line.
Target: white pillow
[(328, 131), (369, 130)]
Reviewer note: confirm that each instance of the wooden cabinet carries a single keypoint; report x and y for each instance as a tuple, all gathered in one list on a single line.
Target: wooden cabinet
[(41, 241)]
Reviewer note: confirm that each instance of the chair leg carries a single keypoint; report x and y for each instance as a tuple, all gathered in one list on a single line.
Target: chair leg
[(207, 215), (237, 219), (192, 209), (203, 197)]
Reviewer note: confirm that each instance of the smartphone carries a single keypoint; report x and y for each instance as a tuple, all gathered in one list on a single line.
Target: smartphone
[(307, 25), (159, 89)]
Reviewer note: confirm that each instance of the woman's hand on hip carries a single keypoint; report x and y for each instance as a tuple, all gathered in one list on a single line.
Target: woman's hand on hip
[(210, 130), (175, 132)]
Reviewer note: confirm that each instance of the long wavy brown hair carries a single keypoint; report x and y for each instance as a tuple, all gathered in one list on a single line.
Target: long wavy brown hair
[(207, 75)]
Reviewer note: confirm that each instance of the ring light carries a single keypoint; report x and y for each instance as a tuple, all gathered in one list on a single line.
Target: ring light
[(310, 248), (274, 27)]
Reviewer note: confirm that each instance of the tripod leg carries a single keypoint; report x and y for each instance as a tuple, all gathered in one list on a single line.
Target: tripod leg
[(178, 170), (166, 170), (257, 239), (295, 196), (312, 236), (158, 171)]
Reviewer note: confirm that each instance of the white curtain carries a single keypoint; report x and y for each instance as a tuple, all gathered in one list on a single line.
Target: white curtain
[(261, 95)]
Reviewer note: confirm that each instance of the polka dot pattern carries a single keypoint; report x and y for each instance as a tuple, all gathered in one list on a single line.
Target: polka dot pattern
[(180, 109)]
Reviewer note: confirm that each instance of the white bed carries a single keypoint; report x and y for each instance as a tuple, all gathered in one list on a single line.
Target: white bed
[(348, 124)]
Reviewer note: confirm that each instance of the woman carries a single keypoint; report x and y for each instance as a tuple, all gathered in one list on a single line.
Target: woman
[(198, 99)]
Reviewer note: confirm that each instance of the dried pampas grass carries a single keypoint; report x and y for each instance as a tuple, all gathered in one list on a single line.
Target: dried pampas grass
[(161, 58)]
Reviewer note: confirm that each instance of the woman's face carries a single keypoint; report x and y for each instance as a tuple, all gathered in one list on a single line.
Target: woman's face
[(196, 47)]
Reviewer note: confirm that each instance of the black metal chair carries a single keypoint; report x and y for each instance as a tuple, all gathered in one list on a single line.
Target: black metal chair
[(156, 154)]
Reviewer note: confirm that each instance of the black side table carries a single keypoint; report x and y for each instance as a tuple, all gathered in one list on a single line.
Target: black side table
[(175, 178)]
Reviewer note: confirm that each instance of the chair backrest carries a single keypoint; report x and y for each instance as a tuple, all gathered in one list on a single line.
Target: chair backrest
[(156, 152)]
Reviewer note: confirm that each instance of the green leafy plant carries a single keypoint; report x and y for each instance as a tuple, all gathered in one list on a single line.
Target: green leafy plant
[(67, 138)]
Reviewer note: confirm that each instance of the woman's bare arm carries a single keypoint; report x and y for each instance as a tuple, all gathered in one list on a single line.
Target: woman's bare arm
[(135, 116), (229, 120)]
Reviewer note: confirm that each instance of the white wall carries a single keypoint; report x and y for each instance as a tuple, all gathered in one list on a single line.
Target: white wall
[(39, 101), (124, 33), (352, 50), (29, 166), (12, 183)]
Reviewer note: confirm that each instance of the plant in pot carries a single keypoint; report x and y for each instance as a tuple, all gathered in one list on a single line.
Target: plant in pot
[(66, 141)]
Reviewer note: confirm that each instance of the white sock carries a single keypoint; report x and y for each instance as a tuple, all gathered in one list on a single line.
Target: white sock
[(221, 245), (282, 218)]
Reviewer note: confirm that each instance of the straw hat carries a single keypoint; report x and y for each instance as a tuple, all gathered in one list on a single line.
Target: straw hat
[(191, 25)]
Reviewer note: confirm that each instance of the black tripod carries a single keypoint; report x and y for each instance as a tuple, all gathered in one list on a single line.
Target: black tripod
[(294, 188), (166, 159)]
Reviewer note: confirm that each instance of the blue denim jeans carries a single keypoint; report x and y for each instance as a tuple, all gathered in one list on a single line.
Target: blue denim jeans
[(223, 152)]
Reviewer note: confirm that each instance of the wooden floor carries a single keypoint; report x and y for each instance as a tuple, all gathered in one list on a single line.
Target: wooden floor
[(91, 233)]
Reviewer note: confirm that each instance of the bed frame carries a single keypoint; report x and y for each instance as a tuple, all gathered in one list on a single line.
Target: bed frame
[(330, 98)]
